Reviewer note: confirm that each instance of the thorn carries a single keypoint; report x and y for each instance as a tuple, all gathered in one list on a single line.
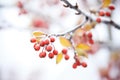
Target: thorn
[(76, 6), (66, 5)]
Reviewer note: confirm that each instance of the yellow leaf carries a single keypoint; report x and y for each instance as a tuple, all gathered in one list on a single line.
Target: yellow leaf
[(38, 33), (89, 26), (59, 58), (65, 42), (106, 3), (81, 52), (83, 46)]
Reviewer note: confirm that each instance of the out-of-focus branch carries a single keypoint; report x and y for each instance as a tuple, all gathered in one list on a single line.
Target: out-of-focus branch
[(90, 16)]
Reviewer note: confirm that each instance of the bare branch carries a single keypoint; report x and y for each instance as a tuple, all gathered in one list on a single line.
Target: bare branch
[(89, 16), (73, 29)]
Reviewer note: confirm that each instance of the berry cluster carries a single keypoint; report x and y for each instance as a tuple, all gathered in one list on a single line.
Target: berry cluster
[(107, 13), (78, 63), (46, 46), (44, 43), (88, 38)]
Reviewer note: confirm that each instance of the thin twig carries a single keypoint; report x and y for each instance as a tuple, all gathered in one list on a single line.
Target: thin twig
[(68, 4), (73, 29)]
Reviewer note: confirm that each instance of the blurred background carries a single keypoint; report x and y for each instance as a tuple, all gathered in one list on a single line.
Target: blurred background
[(19, 61)]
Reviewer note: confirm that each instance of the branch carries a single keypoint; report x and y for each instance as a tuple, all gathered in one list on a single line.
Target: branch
[(91, 17), (72, 29)]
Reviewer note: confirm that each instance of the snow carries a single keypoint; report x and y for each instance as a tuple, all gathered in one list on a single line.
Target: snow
[(18, 60)]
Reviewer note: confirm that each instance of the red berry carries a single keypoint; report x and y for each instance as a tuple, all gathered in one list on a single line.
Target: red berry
[(101, 13), (66, 57), (91, 41), (36, 47), (108, 14), (111, 7), (19, 4), (52, 39), (33, 40), (78, 62), (64, 51), (42, 54), (42, 43), (98, 20), (74, 66), (51, 55), (84, 64), (37, 22), (48, 48), (55, 52), (89, 35), (47, 42)]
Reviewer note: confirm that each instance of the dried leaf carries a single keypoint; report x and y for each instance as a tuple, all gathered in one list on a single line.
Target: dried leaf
[(83, 46), (65, 42), (79, 32), (106, 3), (38, 33), (59, 58), (88, 27), (78, 36), (81, 52)]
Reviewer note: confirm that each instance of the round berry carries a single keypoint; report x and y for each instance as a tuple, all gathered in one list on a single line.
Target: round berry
[(111, 7), (74, 65), (42, 54), (49, 48), (50, 55), (37, 22), (78, 62), (36, 47), (64, 51), (66, 57), (84, 64), (42, 43), (98, 20), (47, 42), (55, 52), (101, 13), (52, 39), (33, 40), (108, 14), (89, 35), (91, 41)]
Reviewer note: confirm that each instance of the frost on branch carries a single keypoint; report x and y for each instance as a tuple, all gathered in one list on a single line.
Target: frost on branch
[(79, 39)]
